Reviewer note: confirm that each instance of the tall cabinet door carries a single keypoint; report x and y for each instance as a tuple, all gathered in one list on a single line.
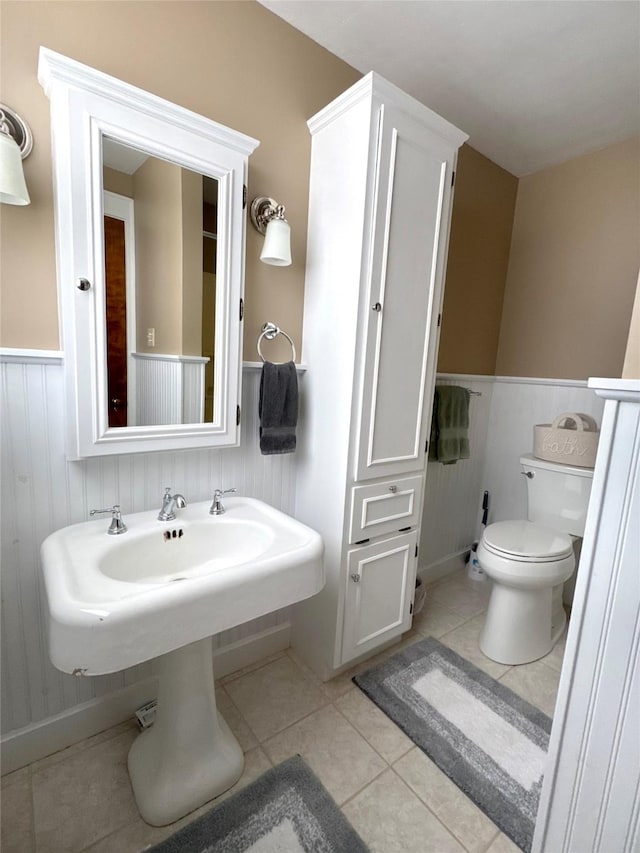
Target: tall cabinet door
[(409, 237), (380, 582)]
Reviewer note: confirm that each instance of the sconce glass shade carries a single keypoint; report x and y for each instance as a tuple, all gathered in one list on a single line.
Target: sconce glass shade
[(277, 244), (13, 189)]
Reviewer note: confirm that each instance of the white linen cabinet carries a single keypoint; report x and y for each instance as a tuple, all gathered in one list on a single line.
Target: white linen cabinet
[(382, 168)]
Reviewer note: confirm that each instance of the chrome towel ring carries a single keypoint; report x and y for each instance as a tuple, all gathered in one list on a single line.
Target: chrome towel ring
[(271, 331)]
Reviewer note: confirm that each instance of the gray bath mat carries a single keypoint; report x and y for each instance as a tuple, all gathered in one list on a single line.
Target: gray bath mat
[(286, 810), (487, 740)]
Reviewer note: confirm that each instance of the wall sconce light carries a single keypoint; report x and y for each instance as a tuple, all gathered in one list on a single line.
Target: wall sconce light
[(16, 142), (267, 217)]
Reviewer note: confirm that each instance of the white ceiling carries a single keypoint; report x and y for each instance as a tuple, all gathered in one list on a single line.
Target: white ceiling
[(533, 82)]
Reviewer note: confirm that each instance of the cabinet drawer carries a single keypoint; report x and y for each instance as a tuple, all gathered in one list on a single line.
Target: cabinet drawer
[(384, 507)]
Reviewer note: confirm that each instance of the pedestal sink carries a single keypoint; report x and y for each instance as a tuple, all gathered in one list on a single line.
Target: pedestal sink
[(161, 590)]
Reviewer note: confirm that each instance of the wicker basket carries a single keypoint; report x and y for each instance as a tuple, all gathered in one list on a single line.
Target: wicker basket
[(573, 443)]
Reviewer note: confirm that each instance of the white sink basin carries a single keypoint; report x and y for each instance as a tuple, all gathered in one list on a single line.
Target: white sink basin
[(161, 590), (115, 601)]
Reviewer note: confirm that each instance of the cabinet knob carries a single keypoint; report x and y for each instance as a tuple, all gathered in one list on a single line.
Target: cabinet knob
[(393, 489), (355, 578), (84, 284), (376, 306)]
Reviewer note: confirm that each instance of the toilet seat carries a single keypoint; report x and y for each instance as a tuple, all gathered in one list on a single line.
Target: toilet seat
[(526, 542)]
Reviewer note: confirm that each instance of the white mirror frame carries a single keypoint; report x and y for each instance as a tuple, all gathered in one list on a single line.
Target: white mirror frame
[(85, 106)]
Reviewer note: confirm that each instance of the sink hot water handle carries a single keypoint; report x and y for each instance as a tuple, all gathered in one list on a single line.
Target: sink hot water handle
[(216, 506), (117, 524)]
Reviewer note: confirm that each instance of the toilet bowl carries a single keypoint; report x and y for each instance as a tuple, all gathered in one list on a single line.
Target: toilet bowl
[(528, 562)]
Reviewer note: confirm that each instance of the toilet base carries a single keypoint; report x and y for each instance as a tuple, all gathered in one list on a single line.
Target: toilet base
[(521, 625)]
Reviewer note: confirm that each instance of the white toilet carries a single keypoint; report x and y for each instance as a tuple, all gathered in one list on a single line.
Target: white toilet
[(528, 562)]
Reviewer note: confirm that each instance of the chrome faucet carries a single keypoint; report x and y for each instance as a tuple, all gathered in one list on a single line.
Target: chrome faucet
[(117, 524), (216, 506), (169, 505)]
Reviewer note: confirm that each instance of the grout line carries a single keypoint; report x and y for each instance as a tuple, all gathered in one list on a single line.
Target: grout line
[(77, 749), (447, 829), (294, 723), (241, 715), (488, 847), (425, 803), (364, 787), (363, 736), (33, 811), (251, 668)]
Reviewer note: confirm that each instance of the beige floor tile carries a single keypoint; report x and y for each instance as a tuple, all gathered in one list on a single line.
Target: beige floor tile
[(462, 595), (335, 687), (464, 641), (15, 776), (241, 730), (340, 757), (343, 683), (84, 797), (87, 743), (535, 682), (232, 676), (556, 656), (391, 819), (381, 732), (460, 815), (502, 844), (274, 696), (434, 619), (138, 835), (16, 829)]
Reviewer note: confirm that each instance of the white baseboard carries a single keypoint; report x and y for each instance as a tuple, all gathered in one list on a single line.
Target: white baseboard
[(443, 567), (40, 739), (251, 649), (23, 746)]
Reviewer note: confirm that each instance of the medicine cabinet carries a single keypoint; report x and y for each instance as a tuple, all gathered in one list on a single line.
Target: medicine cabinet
[(150, 240)]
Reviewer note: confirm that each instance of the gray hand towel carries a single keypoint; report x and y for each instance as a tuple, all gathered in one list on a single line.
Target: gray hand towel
[(278, 408)]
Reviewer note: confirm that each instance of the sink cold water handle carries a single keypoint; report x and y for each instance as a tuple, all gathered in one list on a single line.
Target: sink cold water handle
[(117, 525), (216, 506)]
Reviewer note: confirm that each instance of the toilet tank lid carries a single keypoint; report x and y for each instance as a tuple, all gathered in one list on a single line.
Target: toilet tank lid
[(530, 461)]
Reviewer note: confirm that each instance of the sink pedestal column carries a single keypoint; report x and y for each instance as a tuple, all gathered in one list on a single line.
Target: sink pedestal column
[(189, 755)]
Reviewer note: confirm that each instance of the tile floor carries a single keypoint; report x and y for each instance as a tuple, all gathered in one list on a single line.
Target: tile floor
[(397, 799)]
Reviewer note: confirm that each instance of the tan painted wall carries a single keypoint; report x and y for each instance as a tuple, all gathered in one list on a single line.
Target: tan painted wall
[(631, 367), (117, 182), (158, 226), (234, 62), (481, 224), (573, 267)]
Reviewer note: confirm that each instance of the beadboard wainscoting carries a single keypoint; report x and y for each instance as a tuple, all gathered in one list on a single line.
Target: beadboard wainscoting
[(500, 431), (41, 492), (453, 493), (169, 389)]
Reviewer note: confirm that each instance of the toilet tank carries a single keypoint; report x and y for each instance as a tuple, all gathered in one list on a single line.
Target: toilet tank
[(558, 495)]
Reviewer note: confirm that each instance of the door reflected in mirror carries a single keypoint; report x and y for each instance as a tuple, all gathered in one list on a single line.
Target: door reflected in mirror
[(160, 232)]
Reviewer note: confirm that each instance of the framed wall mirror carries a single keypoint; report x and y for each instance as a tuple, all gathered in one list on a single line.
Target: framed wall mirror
[(150, 231)]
